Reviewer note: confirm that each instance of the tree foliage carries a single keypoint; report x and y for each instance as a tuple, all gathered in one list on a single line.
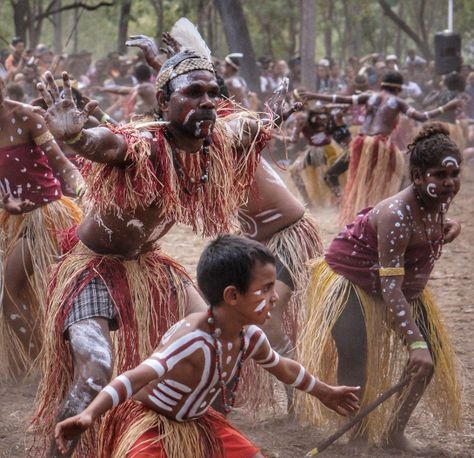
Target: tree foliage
[(343, 27)]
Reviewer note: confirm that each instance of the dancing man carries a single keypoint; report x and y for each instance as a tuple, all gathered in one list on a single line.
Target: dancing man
[(376, 165)]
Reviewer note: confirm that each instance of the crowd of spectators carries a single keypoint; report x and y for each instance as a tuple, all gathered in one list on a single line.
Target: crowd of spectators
[(21, 68)]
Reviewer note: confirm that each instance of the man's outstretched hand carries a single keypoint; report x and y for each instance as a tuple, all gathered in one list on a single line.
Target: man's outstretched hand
[(64, 119)]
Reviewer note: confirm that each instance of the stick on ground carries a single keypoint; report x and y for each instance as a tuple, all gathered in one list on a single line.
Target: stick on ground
[(356, 419)]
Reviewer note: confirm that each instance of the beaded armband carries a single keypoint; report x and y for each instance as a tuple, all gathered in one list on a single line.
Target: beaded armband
[(74, 139), (418, 345), (391, 271), (43, 138)]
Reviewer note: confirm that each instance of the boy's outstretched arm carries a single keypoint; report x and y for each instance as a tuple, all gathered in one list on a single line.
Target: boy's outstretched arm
[(341, 399), (117, 391)]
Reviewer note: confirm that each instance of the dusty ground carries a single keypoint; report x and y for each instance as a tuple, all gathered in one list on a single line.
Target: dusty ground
[(280, 436)]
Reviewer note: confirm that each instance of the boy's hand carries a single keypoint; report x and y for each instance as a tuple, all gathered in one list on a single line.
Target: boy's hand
[(341, 399), (70, 428)]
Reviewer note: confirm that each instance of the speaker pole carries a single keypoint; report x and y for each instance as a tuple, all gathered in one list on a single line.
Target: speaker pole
[(450, 15)]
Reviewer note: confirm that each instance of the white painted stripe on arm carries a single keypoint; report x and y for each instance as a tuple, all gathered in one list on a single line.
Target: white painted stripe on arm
[(112, 392), (299, 378), (156, 366), (128, 386)]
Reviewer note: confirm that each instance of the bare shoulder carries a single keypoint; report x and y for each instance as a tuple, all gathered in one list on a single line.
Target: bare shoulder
[(188, 328), (394, 214)]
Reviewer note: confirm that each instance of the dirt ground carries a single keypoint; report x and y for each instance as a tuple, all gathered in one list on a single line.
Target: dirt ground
[(280, 436)]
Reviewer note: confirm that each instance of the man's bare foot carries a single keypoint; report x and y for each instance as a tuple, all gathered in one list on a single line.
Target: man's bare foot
[(401, 442)]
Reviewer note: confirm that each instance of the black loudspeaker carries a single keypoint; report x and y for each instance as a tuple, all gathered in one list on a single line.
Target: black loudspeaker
[(447, 52)]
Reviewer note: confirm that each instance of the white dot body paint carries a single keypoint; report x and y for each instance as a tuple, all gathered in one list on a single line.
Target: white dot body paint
[(261, 306), (450, 160), (14, 316), (23, 330), (431, 190)]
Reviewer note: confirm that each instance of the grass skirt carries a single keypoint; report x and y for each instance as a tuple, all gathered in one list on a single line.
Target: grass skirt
[(311, 166), (149, 296), (295, 246), (39, 229), (376, 169), (328, 293), (122, 428)]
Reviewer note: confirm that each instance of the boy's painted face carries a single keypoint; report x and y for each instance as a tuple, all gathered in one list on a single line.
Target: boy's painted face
[(261, 296), (443, 181)]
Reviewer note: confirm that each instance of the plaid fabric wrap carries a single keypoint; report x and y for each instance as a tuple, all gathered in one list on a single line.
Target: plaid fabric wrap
[(93, 301)]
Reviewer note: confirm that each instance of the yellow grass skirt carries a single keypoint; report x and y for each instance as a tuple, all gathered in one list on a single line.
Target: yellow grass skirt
[(327, 295), (39, 229)]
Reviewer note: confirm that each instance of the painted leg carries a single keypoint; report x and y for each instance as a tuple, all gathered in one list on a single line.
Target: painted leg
[(275, 332), (92, 358), (350, 336), (409, 399), (19, 314)]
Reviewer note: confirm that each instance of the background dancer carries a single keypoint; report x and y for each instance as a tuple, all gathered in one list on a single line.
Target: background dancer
[(33, 211), (376, 165)]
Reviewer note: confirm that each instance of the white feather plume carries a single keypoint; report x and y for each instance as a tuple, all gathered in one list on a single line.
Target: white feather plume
[(188, 36)]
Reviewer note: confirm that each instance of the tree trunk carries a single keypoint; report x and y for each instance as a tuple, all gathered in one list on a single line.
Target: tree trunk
[(125, 8), (58, 29), (292, 30), (421, 43), (238, 39), (308, 43), (158, 7), (20, 18), (75, 26), (328, 29)]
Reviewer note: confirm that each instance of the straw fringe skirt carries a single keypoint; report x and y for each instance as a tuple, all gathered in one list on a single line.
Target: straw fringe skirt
[(376, 169), (295, 246), (149, 295), (39, 230), (327, 296)]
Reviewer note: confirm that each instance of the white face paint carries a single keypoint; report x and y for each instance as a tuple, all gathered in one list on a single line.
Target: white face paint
[(261, 306), (190, 113), (258, 292), (431, 190), (450, 160)]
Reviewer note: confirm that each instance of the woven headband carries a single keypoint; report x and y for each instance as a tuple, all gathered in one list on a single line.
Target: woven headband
[(185, 66), (395, 85)]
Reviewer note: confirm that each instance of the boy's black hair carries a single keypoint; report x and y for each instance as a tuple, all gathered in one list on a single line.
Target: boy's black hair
[(429, 146), (229, 261)]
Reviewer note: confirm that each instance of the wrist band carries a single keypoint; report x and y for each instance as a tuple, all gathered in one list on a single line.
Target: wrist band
[(43, 138), (441, 110), (391, 271), (355, 100), (334, 98), (418, 345), (74, 139), (104, 118)]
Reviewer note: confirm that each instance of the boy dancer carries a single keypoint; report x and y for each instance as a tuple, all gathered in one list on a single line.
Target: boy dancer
[(195, 359)]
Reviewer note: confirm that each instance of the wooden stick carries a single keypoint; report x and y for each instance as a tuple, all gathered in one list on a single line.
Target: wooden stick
[(356, 419)]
